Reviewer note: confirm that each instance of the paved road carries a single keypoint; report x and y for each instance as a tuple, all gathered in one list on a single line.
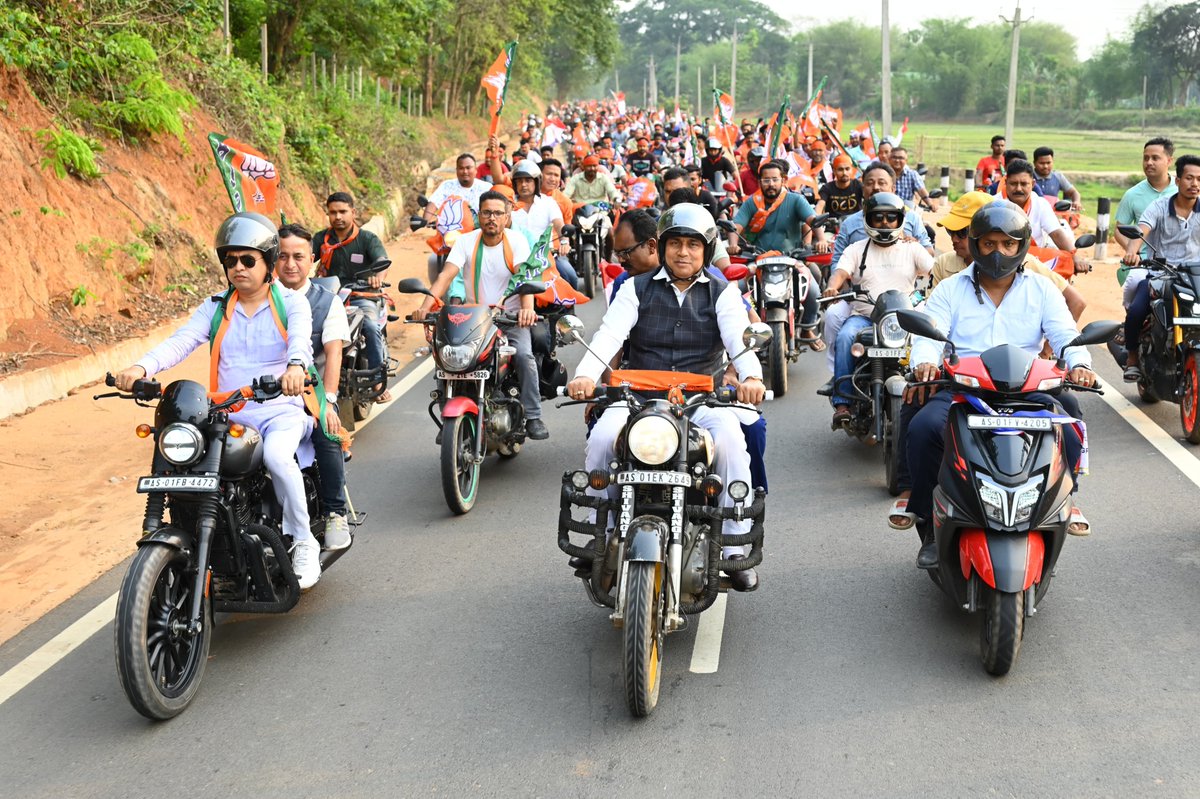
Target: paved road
[(458, 657)]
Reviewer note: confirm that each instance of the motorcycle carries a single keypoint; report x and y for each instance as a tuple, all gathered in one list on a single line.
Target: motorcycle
[(1169, 350), (360, 386), (590, 243), (222, 550), (478, 391), (876, 386), (1003, 499), (663, 559)]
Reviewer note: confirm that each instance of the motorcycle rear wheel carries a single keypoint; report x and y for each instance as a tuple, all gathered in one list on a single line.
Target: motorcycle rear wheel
[(891, 446), (460, 473), (159, 667), (1001, 632), (1189, 400), (777, 356), (642, 660)]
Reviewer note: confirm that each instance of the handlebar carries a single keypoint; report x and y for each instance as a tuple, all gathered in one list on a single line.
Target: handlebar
[(845, 295)]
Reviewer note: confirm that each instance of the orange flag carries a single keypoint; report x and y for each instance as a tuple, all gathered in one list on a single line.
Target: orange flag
[(495, 82), (250, 179)]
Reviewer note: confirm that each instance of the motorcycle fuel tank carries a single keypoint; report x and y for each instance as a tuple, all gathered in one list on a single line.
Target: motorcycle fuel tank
[(243, 455)]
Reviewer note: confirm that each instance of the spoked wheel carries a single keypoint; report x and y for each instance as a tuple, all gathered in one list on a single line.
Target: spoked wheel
[(1002, 630), (460, 472), (643, 637), (158, 663), (891, 445), (1189, 400), (587, 265), (777, 355), (361, 406)]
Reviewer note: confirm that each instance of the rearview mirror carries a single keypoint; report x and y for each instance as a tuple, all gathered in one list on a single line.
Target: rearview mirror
[(568, 231), (1062, 205), (919, 324), (1096, 332), (382, 265), (569, 327), (1130, 231), (936, 193), (422, 201), (727, 225), (819, 220), (756, 336), (1086, 240), (416, 222), (736, 272), (412, 285)]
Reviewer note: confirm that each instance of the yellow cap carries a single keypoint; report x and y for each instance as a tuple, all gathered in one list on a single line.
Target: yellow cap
[(964, 208)]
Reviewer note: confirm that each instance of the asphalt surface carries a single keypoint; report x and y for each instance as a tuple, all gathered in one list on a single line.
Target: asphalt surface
[(459, 657)]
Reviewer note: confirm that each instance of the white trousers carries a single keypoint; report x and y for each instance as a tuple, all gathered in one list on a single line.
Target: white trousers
[(283, 427), (732, 460), (835, 316)]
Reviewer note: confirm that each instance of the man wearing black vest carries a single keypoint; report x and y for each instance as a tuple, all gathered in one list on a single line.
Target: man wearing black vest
[(680, 317), (330, 331)]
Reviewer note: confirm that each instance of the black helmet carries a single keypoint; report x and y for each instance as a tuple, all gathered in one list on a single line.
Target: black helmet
[(999, 217), (249, 231), (527, 169), (691, 221), (880, 203)]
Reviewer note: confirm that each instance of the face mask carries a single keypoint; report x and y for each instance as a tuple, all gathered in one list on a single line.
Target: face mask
[(997, 265)]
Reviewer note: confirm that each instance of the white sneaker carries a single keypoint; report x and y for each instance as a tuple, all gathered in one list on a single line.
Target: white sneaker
[(337, 532), (306, 562)]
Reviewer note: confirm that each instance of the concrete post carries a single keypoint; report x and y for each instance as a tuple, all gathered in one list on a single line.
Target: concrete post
[(1103, 207), (969, 183), (944, 183)]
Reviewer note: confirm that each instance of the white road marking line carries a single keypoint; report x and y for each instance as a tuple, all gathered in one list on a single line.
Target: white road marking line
[(56, 649), (706, 654), (1160, 439), (61, 645)]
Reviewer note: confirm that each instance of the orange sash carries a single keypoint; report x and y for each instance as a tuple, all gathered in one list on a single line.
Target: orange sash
[(761, 212), (328, 249)]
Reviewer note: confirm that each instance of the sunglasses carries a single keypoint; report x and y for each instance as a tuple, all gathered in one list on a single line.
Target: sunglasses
[(247, 261), (491, 214), (959, 234), (624, 254), (886, 216)]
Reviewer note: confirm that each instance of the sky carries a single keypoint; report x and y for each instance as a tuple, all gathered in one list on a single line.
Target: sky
[(1078, 16)]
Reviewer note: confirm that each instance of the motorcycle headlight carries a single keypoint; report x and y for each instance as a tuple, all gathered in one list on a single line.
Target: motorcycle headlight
[(456, 357), (589, 222), (653, 440), (1026, 501), (993, 501), (777, 290), (181, 443), (890, 332)]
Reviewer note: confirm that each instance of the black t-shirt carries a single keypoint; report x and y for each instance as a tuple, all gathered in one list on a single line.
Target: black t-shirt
[(708, 168), (708, 201), (842, 202), (640, 164), (364, 250)]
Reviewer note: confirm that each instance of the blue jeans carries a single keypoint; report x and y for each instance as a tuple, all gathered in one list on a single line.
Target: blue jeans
[(843, 361), (372, 331), (567, 271), (332, 466)]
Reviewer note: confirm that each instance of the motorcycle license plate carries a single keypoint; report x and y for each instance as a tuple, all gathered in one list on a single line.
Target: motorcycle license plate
[(655, 478), (1008, 423), (885, 352), (479, 374), (181, 483)]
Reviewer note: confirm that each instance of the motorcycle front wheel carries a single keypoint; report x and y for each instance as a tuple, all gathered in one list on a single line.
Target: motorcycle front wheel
[(777, 355), (891, 445), (1002, 630), (158, 664), (1189, 400), (460, 472), (642, 659), (361, 406), (587, 270)]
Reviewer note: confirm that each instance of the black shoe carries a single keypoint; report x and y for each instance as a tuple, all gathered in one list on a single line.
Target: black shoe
[(927, 558), (745, 580), (827, 389), (536, 430)]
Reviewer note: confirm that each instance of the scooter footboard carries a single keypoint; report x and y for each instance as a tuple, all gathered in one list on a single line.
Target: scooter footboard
[(715, 518)]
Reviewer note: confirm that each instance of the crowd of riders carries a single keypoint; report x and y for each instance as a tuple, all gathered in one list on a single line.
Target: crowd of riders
[(683, 195)]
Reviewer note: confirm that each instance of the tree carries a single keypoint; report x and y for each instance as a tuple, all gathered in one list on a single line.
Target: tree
[(1170, 39)]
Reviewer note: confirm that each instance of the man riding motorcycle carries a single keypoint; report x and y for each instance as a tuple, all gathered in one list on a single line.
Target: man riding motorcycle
[(534, 212), (992, 302), (464, 185), (714, 162), (680, 318), (253, 329), (488, 258), (592, 185)]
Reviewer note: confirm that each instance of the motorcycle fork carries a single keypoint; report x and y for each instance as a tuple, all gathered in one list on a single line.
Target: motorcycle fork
[(674, 619), (206, 524), (617, 617), (877, 397), (480, 436)]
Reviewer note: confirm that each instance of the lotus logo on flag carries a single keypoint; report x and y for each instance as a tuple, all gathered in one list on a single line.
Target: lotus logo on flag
[(251, 180)]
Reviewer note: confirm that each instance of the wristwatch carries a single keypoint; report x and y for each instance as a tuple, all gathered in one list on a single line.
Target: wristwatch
[(296, 362), (331, 398)]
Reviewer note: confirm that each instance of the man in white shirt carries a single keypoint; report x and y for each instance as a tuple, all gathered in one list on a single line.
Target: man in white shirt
[(1046, 230), (488, 258), (881, 262), (464, 185), (991, 302), (330, 333), (679, 318)]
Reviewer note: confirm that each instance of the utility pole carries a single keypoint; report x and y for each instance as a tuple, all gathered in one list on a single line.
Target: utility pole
[(653, 103), (810, 62), (678, 44), (228, 34), (1011, 108), (699, 93), (733, 66), (886, 76)]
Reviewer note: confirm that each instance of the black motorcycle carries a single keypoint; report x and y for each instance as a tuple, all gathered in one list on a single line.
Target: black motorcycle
[(876, 386), (1169, 350), (212, 540), (1003, 498), (590, 243), (663, 558)]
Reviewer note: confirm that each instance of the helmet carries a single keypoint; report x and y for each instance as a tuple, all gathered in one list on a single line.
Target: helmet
[(1000, 216), (691, 221), (878, 203), (713, 143), (528, 169), (759, 152), (249, 231)]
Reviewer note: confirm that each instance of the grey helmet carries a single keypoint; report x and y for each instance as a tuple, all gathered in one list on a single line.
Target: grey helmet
[(249, 231), (883, 202), (527, 169), (1004, 217), (691, 221), (713, 143)]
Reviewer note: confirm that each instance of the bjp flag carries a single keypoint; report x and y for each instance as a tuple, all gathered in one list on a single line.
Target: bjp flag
[(251, 180), (495, 83)]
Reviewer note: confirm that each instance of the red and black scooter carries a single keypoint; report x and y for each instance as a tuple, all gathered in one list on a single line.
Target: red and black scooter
[(1003, 499)]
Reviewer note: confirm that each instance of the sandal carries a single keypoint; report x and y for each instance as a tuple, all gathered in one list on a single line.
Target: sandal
[(815, 343), (1078, 523), (840, 418), (386, 396), (1133, 373), (899, 517)]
